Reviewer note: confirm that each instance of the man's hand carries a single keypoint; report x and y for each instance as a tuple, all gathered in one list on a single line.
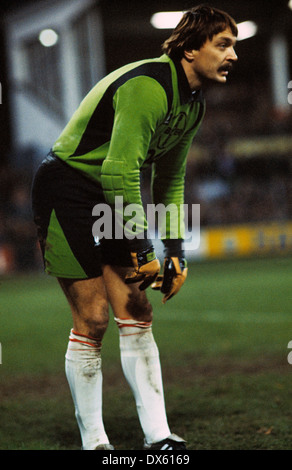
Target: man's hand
[(146, 268), (174, 275)]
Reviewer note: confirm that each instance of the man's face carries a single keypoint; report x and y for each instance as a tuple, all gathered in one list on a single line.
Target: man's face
[(215, 58)]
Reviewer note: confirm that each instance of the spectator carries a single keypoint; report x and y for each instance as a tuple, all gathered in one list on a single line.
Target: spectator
[(20, 229)]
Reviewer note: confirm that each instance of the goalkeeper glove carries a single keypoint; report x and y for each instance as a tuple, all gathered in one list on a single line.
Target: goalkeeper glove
[(174, 270), (146, 268)]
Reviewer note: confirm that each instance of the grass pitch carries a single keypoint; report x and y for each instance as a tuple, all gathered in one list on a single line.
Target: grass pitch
[(223, 344)]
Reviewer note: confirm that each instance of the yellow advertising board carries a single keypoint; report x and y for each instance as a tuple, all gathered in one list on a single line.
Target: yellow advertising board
[(248, 240)]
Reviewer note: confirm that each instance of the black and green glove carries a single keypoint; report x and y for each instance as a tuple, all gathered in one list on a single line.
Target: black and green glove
[(174, 270), (146, 267)]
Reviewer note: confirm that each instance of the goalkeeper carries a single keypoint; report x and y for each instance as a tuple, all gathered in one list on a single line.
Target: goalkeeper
[(143, 114)]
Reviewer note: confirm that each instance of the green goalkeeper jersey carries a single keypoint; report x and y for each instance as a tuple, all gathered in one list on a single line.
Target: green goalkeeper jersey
[(139, 115)]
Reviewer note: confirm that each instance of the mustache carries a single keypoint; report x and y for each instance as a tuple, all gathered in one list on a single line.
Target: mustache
[(226, 67)]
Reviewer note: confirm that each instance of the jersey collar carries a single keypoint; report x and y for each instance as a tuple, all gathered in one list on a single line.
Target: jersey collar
[(185, 92)]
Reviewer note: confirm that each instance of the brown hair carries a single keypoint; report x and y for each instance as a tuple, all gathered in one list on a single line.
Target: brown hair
[(196, 26)]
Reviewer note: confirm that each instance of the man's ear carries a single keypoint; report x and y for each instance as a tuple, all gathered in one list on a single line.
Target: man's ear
[(189, 55)]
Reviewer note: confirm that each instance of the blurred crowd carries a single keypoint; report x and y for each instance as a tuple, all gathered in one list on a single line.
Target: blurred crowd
[(246, 196), (18, 247), (250, 189)]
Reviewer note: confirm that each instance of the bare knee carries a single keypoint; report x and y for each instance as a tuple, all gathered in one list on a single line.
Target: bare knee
[(89, 306), (139, 307), (127, 300), (94, 320)]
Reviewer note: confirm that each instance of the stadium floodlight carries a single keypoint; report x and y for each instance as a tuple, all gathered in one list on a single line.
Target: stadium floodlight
[(246, 29), (166, 19), (48, 37)]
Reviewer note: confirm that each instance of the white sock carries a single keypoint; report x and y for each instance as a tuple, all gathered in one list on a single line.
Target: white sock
[(84, 375), (141, 367)]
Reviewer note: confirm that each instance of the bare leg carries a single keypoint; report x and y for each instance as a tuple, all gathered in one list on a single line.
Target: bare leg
[(139, 352), (88, 302)]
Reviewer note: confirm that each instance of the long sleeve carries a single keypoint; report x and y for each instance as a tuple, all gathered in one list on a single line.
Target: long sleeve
[(168, 184), (140, 106)]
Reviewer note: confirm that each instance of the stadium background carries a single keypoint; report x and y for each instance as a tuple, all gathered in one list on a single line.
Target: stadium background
[(239, 171)]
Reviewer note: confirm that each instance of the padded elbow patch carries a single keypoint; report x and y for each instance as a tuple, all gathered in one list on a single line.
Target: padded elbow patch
[(112, 179), (118, 180)]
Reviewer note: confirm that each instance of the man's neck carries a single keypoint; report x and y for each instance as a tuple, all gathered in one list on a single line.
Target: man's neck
[(194, 81)]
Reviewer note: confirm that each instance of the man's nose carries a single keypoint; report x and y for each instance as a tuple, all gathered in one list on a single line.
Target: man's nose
[(232, 55)]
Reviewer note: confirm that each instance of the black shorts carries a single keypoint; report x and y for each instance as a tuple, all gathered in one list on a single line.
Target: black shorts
[(63, 200)]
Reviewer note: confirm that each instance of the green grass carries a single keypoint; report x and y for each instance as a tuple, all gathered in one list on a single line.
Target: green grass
[(223, 346)]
